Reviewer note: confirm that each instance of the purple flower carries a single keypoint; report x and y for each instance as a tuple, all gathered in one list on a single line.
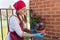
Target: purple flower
[(31, 15), (41, 24), (37, 24), (58, 38)]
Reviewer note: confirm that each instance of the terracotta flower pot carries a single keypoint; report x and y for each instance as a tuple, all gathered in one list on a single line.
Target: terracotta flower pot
[(43, 31)]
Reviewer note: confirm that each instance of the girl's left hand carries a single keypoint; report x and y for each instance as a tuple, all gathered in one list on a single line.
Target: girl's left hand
[(43, 31)]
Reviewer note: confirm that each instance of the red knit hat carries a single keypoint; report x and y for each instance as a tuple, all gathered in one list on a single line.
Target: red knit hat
[(19, 5)]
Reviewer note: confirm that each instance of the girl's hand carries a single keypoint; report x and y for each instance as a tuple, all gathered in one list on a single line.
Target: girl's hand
[(39, 35)]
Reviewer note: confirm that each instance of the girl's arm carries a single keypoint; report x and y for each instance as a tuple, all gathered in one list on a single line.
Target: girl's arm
[(26, 30), (27, 35)]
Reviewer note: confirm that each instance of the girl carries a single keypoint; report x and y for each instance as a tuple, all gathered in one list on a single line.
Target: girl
[(16, 24)]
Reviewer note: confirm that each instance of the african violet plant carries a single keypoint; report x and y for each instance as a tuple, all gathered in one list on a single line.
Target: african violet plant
[(36, 23)]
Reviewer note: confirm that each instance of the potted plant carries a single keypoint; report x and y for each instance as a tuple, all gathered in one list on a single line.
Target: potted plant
[(37, 24)]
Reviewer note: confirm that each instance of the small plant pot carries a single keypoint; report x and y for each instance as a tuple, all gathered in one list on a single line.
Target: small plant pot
[(43, 31)]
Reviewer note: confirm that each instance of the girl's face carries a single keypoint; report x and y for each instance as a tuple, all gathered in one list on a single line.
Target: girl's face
[(22, 11)]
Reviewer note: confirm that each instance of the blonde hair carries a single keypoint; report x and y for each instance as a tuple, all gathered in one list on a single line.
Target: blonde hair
[(24, 17)]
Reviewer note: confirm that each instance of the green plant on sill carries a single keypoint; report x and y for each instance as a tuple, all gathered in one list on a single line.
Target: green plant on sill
[(36, 23)]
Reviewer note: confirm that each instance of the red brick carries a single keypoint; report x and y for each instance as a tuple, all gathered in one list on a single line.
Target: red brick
[(48, 36), (58, 19), (57, 12), (56, 16), (50, 19), (58, 34), (54, 37), (55, 23)]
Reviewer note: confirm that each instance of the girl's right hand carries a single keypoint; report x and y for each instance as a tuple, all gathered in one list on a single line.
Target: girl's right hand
[(38, 35)]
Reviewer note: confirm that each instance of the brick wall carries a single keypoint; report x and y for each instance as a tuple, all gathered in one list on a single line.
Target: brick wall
[(50, 12)]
